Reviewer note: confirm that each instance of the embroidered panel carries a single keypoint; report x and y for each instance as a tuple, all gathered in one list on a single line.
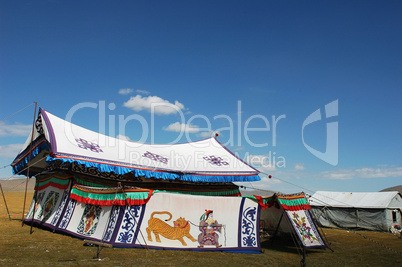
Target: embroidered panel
[(60, 208), (218, 161), (173, 221), (36, 206), (129, 224), (249, 227), (156, 157), (168, 221), (210, 230), (89, 220), (305, 228), (68, 213), (48, 206), (114, 215), (82, 143)]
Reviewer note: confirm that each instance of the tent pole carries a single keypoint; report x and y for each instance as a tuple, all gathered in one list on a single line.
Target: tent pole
[(303, 261), (29, 162), (299, 245), (321, 230), (34, 208), (4, 198), (277, 228)]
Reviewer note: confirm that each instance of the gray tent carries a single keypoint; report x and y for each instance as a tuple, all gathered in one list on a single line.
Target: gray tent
[(377, 211)]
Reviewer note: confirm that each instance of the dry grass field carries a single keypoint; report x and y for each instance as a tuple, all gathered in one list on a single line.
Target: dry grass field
[(20, 248)]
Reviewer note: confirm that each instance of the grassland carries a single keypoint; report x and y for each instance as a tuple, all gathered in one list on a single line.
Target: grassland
[(18, 247)]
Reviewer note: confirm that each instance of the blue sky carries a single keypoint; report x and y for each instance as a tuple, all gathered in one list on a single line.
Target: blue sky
[(250, 61)]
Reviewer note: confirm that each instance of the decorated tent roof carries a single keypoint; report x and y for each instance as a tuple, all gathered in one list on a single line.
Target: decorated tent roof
[(291, 202), (201, 161), (374, 200)]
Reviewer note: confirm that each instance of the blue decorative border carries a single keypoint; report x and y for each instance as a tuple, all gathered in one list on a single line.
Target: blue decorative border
[(22, 163), (248, 226), (61, 207), (129, 227), (113, 219), (166, 175), (68, 213)]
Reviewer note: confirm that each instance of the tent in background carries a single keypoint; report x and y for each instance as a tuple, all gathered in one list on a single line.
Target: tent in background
[(377, 211), (290, 213)]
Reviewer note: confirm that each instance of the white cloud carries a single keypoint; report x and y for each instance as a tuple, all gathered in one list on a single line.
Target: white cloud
[(153, 104), (10, 151), (144, 92), (15, 129), (182, 127), (123, 137), (266, 179), (262, 162), (299, 167), (383, 172), (126, 91), (267, 168), (207, 134), (256, 158)]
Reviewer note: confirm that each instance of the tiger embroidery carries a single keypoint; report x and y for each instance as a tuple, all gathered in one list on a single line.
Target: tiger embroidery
[(180, 229)]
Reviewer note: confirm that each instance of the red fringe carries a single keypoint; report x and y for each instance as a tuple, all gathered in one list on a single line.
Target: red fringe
[(51, 184), (261, 202), (296, 208), (116, 202)]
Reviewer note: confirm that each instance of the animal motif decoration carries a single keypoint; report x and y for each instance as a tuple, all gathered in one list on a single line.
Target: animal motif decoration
[(180, 229)]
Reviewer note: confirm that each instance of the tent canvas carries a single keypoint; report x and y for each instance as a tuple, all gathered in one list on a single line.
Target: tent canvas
[(128, 194), (377, 211), (155, 219), (201, 161), (290, 213)]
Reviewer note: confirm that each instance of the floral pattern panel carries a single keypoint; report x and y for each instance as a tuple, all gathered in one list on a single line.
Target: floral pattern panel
[(305, 228)]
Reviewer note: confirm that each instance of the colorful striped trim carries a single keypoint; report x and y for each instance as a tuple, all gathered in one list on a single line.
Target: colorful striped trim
[(52, 181), (264, 202), (110, 196), (293, 202), (288, 202)]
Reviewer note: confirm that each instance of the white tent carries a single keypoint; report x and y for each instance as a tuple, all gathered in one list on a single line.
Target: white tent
[(373, 211), (129, 194), (201, 161)]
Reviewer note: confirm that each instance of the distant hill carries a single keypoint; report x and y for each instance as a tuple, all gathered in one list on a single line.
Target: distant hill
[(17, 184), (394, 188)]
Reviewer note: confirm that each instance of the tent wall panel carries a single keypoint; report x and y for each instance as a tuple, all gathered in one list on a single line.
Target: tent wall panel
[(167, 220), (371, 211)]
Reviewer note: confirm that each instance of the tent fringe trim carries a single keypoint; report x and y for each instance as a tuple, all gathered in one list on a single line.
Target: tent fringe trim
[(121, 170)]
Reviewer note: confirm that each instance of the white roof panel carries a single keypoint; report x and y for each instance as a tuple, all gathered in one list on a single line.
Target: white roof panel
[(353, 199)]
